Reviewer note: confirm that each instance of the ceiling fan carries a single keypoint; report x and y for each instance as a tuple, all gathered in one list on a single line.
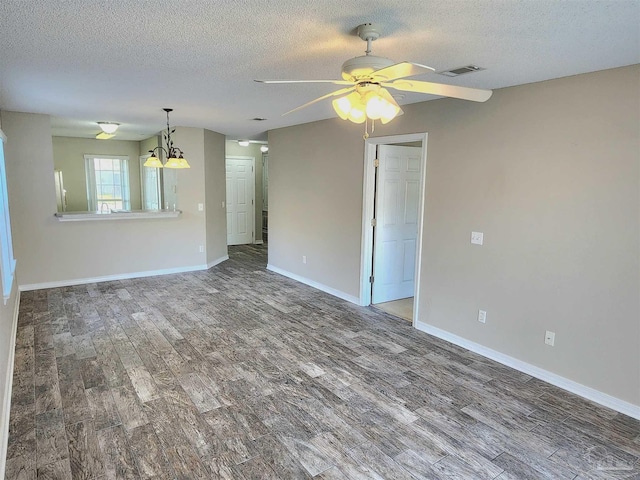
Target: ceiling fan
[(366, 79)]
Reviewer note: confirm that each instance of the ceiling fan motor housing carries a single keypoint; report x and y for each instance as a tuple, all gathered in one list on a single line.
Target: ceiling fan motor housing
[(359, 68)]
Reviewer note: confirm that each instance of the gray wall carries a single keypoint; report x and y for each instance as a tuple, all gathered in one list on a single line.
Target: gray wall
[(253, 150), (215, 192), (548, 171), (315, 202), (49, 251), (68, 156)]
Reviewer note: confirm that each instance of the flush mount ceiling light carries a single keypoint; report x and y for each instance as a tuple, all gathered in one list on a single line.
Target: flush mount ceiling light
[(175, 156), (108, 127), (264, 149), (243, 143)]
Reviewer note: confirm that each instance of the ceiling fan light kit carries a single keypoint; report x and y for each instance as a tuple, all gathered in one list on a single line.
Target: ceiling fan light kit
[(367, 79), (175, 156), (375, 104)]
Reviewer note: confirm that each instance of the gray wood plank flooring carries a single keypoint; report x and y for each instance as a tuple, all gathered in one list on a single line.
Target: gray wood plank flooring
[(239, 373)]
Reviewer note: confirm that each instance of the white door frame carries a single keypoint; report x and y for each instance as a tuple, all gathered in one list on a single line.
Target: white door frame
[(253, 191), (366, 260)]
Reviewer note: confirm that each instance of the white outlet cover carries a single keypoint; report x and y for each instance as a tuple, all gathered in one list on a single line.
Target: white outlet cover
[(550, 338), (201, 207), (482, 316), (477, 238)]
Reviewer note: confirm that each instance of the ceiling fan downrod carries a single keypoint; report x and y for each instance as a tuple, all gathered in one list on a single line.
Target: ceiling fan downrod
[(368, 32)]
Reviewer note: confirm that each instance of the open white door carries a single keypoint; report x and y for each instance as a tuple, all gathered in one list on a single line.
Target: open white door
[(397, 209), (240, 208)]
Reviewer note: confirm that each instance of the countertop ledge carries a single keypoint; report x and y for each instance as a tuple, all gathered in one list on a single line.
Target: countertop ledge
[(115, 215)]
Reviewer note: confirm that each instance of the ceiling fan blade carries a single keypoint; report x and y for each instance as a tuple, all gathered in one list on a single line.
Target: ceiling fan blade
[(335, 82), (328, 95), (464, 93), (400, 70)]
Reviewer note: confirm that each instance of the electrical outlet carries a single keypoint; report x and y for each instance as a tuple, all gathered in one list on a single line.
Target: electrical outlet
[(201, 207), (482, 316), (304, 259), (550, 338), (477, 238)]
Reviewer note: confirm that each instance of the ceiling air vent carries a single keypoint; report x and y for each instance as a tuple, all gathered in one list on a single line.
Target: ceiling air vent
[(454, 72), (259, 119)]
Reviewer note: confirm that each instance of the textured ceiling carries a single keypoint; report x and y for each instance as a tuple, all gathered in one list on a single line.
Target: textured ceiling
[(84, 61)]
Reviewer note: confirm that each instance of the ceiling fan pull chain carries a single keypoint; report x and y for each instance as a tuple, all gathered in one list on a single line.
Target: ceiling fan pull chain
[(366, 133)]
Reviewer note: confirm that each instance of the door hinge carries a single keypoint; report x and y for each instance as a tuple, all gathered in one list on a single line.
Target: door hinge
[(371, 279), (373, 222), (376, 163)]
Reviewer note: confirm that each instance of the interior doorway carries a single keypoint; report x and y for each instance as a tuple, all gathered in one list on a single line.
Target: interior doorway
[(393, 208), (240, 200)]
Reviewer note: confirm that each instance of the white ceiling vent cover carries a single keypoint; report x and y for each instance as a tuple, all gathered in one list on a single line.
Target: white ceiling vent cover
[(454, 72)]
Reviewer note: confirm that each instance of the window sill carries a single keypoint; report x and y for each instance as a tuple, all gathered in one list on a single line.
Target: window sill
[(115, 215)]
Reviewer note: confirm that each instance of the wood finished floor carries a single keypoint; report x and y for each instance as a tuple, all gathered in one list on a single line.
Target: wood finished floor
[(240, 373)]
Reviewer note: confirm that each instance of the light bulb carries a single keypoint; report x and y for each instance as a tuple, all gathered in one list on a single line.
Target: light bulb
[(342, 106), (390, 108), (376, 107), (357, 115)]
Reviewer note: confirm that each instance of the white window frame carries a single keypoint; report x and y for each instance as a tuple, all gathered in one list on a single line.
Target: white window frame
[(7, 260), (90, 171)]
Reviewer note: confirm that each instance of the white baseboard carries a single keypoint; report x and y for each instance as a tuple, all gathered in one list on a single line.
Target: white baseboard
[(258, 242), (6, 401), (314, 284), (549, 377), (109, 278), (217, 261)]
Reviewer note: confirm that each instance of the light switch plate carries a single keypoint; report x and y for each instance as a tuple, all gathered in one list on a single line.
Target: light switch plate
[(200, 207), (477, 238)]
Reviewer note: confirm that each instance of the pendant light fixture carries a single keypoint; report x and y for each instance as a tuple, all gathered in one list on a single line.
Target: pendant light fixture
[(175, 156)]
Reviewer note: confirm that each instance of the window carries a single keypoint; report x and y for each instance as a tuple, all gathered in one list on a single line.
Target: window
[(107, 182), (7, 262)]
